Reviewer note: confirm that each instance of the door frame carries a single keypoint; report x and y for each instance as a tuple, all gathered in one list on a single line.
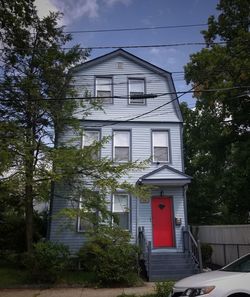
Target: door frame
[(173, 221)]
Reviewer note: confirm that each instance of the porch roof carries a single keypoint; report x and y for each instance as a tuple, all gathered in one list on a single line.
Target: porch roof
[(165, 175)]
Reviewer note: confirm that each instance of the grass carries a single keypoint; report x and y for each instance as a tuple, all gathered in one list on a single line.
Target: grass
[(11, 277), (14, 277)]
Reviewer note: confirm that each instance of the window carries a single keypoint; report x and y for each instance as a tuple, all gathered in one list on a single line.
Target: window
[(89, 137), (83, 220), (136, 88), (121, 208), (104, 88), (160, 146), (121, 146)]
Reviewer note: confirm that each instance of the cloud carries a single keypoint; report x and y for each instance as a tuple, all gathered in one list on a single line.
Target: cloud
[(75, 9), (44, 7), (113, 2)]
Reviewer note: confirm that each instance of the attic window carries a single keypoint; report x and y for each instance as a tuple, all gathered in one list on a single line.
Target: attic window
[(104, 89), (136, 89)]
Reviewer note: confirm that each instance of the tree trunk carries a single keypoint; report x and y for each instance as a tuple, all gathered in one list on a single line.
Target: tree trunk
[(29, 217)]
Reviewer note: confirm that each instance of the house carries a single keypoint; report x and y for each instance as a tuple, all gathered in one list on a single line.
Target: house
[(141, 127)]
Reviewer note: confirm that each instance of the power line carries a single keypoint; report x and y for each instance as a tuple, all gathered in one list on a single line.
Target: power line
[(127, 96), (130, 46), (136, 28)]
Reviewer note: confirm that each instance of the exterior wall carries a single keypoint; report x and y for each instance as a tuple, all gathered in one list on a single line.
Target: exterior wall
[(120, 109), (141, 144)]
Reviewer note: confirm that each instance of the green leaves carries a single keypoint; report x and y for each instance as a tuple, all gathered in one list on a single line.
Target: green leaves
[(216, 133)]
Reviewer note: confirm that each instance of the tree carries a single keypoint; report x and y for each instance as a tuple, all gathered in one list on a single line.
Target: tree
[(223, 113), (37, 104)]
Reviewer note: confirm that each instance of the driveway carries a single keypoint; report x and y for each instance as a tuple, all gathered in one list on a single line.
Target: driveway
[(76, 292)]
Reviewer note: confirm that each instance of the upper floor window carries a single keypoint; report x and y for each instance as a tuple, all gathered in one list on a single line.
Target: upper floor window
[(136, 88), (104, 88), (120, 208), (160, 146), (89, 138), (121, 146)]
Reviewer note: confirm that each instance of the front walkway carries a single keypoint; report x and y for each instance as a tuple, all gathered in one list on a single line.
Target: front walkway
[(77, 292)]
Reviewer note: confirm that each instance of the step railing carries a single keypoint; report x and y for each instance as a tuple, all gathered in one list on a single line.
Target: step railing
[(145, 248), (193, 247)]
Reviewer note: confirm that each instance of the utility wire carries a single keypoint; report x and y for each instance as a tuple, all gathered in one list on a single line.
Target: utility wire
[(129, 46), (127, 96), (136, 28)]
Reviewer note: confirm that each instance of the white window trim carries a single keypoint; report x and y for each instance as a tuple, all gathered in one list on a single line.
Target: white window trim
[(144, 91), (168, 147), (129, 209)]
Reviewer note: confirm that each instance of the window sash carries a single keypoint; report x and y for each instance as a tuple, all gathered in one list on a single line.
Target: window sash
[(136, 87), (121, 146), (90, 136), (160, 146), (121, 204), (104, 88), (83, 224)]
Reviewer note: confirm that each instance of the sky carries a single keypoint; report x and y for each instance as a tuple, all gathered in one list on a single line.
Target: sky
[(117, 14)]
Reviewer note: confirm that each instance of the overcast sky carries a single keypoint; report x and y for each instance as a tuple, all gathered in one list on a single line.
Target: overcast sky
[(115, 14)]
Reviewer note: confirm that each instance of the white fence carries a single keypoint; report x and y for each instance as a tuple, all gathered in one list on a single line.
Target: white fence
[(228, 241)]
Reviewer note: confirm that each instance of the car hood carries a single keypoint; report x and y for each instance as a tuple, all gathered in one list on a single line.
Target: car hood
[(207, 278)]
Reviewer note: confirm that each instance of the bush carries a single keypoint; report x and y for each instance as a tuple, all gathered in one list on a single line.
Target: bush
[(206, 251), (111, 257), (163, 289), (47, 262)]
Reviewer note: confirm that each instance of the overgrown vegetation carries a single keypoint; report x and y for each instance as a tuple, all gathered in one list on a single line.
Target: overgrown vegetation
[(111, 257), (47, 262)]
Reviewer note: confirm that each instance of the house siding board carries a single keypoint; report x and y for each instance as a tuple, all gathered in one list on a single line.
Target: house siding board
[(63, 230), (141, 143), (155, 83)]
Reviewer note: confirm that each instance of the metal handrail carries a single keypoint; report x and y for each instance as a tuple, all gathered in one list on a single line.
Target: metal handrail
[(193, 247), (146, 248)]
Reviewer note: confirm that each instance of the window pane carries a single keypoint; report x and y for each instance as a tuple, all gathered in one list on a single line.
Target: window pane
[(123, 220), (121, 138), (120, 203), (103, 84), (136, 86), (89, 137), (160, 138), (121, 154), (160, 154)]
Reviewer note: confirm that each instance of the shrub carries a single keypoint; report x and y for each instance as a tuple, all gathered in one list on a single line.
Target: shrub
[(111, 257), (206, 251), (47, 262), (163, 289)]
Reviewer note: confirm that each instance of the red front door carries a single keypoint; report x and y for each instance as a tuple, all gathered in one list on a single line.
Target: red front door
[(162, 221)]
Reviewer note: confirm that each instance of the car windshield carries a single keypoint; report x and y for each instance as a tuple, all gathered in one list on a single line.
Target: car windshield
[(241, 265)]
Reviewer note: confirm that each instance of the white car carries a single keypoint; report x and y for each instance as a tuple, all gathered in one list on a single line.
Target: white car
[(232, 280)]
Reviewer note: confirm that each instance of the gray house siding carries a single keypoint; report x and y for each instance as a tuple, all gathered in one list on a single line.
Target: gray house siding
[(114, 117)]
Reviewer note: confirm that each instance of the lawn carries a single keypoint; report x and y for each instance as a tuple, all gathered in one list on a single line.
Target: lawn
[(12, 277)]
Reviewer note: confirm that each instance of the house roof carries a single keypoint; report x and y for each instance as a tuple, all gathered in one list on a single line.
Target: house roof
[(165, 175), (141, 62)]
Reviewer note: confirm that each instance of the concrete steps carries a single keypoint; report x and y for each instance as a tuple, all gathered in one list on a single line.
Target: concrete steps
[(170, 266)]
